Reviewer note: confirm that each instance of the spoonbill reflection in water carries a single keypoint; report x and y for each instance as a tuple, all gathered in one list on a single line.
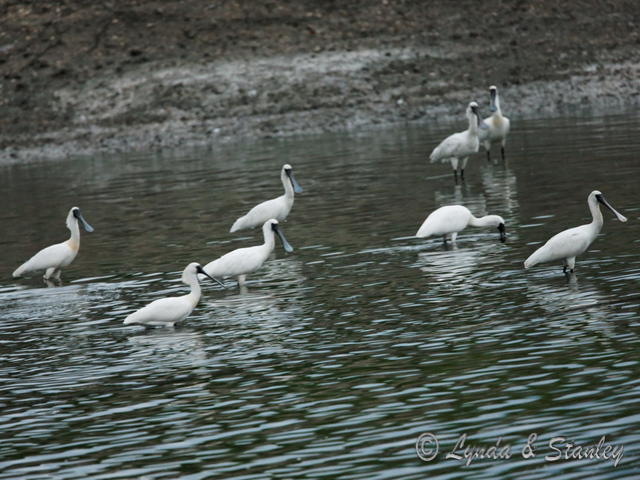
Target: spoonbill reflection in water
[(451, 219), (494, 128), (169, 311), (54, 257), (277, 208), (568, 244), (458, 146), (242, 261)]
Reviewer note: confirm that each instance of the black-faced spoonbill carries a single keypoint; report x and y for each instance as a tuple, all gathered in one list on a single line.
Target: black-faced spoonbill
[(54, 257), (455, 218), (568, 244), (277, 208), (238, 263), (496, 127), (169, 311), (457, 147)]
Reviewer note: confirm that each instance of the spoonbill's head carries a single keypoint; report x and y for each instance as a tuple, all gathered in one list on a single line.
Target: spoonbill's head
[(498, 222), (503, 234), (191, 272), (596, 197), (274, 226), (493, 93), (75, 217), (288, 171), (472, 109)]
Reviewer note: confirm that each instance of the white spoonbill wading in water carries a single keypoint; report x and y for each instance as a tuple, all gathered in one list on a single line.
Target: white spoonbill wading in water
[(457, 147), (568, 244), (238, 263), (277, 208), (169, 311), (496, 127), (53, 258), (452, 219)]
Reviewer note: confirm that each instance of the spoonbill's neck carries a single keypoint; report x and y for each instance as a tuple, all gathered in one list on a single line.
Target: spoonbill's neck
[(597, 220), (286, 183), (496, 103), (473, 123), (74, 241), (269, 237), (196, 291), (486, 221)]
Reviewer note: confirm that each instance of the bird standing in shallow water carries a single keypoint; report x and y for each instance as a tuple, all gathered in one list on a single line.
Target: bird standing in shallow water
[(568, 244), (457, 147), (54, 257), (451, 219), (277, 208), (496, 127), (169, 311), (239, 263)]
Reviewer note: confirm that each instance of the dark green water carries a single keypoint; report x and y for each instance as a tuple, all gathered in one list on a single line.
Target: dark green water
[(341, 354)]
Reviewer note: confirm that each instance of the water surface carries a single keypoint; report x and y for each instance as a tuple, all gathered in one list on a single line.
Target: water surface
[(338, 356)]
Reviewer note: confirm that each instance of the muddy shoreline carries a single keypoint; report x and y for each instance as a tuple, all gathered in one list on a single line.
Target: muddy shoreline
[(297, 68)]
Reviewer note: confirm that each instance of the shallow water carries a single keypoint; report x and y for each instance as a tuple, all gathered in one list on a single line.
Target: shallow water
[(338, 356)]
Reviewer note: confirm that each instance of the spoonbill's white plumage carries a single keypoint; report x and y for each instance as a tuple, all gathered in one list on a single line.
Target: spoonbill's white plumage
[(239, 263), (568, 244), (277, 208), (451, 219), (494, 128), (54, 257), (456, 148), (171, 310)]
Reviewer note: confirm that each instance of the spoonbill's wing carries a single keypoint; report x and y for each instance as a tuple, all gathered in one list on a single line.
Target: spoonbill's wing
[(237, 262), (162, 312), (566, 244), (52, 256), (445, 220), (262, 212), (448, 148)]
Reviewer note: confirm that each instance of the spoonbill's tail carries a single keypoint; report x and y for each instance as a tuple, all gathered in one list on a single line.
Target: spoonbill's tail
[(21, 270), (34, 263), (238, 224), (434, 157), (535, 258)]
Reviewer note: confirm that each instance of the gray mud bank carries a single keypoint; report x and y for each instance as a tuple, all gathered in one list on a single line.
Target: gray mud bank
[(166, 107)]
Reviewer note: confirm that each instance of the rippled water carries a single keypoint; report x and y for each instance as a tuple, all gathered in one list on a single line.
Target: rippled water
[(339, 355)]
